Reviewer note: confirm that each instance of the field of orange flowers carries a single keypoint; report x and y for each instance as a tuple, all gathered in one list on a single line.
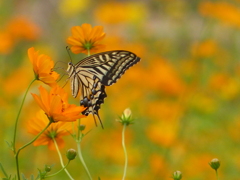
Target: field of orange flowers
[(184, 94)]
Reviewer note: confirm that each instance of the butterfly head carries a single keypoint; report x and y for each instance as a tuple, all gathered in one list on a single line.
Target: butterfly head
[(70, 68), (70, 64)]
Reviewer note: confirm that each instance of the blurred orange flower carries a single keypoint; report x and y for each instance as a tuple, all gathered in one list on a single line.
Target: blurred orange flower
[(13, 32), (42, 67), (206, 48), (55, 130), (163, 133), (225, 12), (15, 27), (55, 105), (85, 38), (6, 42)]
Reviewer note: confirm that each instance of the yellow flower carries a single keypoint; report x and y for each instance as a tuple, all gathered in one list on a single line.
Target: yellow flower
[(71, 8), (132, 12), (85, 38), (42, 67), (55, 105), (55, 130)]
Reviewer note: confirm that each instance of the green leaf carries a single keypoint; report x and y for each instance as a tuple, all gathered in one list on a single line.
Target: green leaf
[(10, 145), (32, 177), (23, 176)]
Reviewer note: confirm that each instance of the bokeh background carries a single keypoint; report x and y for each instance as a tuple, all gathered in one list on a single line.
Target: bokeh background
[(184, 94)]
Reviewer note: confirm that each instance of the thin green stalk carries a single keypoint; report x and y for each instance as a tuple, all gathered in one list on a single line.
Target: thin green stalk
[(125, 151), (82, 160), (78, 140), (61, 160), (88, 50), (18, 115), (217, 174), (34, 139), (58, 171)]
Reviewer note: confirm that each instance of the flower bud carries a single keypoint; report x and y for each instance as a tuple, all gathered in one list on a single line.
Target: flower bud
[(126, 117), (71, 154), (48, 168), (214, 163), (177, 175), (82, 127), (127, 113)]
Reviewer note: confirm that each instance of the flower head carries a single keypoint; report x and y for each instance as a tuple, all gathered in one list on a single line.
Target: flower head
[(177, 175), (214, 163), (126, 117), (56, 106), (55, 130), (42, 67), (15, 27), (71, 154), (85, 38)]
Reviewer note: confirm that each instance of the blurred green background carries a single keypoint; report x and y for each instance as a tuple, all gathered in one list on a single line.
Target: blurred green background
[(184, 94)]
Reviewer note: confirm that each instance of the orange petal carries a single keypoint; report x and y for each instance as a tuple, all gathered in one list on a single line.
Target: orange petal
[(40, 103)]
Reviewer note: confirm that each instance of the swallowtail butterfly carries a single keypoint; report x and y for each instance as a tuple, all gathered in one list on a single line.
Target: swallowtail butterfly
[(93, 73)]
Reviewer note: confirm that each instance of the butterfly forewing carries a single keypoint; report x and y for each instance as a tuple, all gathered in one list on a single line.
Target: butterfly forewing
[(92, 74), (121, 62)]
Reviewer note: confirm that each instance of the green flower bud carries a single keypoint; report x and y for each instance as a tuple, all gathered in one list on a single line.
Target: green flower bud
[(82, 127), (71, 154), (177, 175), (48, 168), (214, 163), (126, 117)]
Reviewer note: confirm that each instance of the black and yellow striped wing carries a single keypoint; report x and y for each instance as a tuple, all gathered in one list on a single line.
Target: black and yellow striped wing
[(90, 76)]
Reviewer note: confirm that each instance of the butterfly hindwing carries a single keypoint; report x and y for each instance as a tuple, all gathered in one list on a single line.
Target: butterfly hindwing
[(93, 73)]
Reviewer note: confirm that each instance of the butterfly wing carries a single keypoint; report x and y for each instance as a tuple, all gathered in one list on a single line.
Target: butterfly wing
[(92, 92), (92, 74), (109, 66)]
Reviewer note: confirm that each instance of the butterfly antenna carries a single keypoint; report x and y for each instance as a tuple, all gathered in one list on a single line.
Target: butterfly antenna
[(68, 51)]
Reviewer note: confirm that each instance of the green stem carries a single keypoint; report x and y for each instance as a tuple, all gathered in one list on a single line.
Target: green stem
[(17, 153), (18, 115), (61, 160), (78, 140), (125, 151), (58, 171), (82, 160), (88, 50), (217, 174)]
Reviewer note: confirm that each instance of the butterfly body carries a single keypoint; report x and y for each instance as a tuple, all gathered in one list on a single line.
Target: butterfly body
[(93, 73)]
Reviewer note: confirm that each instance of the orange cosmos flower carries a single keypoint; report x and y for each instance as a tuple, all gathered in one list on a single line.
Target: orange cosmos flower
[(15, 27), (42, 67), (86, 38), (55, 105), (55, 130)]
